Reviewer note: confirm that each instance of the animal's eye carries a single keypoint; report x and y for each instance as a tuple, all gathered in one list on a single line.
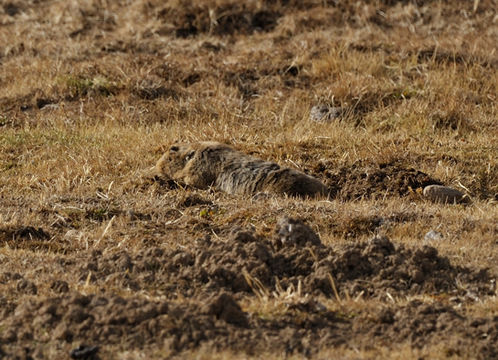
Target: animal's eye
[(174, 148), (189, 156)]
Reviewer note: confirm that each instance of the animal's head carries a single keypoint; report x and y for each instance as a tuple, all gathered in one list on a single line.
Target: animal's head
[(175, 159)]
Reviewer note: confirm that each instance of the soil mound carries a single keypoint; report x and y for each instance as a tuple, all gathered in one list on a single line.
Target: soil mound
[(221, 324), (294, 257), (374, 181), (202, 289)]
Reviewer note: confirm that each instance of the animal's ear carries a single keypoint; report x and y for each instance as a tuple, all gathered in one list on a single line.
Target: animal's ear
[(174, 148), (190, 155)]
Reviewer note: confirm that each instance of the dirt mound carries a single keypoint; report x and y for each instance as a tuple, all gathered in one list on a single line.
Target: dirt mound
[(426, 324), (219, 322), (201, 288), (373, 180), (294, 257)]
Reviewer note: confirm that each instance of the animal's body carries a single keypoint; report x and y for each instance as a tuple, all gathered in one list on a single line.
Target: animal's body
[(205, 164)]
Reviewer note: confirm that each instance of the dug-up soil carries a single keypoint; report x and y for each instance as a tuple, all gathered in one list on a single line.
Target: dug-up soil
[(373, 180), (216, 277)]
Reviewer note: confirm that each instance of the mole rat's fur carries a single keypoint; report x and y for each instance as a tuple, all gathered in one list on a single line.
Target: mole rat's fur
[(207, 164)]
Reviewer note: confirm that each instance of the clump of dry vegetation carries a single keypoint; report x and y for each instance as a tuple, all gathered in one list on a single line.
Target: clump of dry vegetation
[(96, 250)]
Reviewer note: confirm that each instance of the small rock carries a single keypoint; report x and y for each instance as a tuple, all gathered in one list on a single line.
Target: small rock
[(444, 195), (325, 113), (433, 236)]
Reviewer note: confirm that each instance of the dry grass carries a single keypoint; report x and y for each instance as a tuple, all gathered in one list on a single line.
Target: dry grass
[(94, 91)]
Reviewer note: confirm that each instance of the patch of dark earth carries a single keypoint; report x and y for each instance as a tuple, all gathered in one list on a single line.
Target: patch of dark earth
[(201, 288), (295, 255), (372, 181), (231, 19), (53, 324)]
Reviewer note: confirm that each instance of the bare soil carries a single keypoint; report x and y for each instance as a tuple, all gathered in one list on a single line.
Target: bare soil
[(214, 274)]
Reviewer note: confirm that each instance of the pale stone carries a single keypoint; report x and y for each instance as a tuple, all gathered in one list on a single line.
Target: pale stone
[(433, 236), (444, 194)]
